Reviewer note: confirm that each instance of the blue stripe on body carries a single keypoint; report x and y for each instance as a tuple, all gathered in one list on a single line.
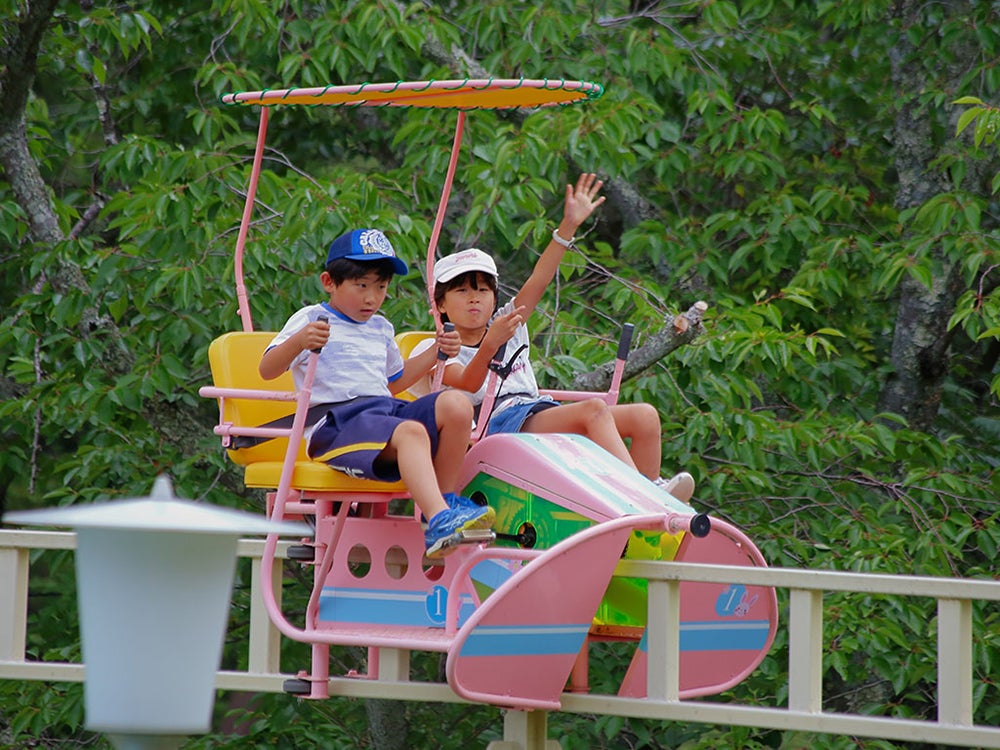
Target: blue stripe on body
[(742, 635), (382, 606), (492, 573), (525, 640)]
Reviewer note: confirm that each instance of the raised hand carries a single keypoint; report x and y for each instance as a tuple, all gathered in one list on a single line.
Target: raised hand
[(582, 199)]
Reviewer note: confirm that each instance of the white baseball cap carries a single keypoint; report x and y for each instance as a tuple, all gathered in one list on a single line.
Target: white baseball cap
[(462, 262)]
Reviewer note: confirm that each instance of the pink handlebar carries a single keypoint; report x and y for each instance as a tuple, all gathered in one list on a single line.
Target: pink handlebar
[(698, 524)]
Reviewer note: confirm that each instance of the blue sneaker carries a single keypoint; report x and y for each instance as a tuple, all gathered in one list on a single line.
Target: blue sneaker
[(446, 523), (458, 501)]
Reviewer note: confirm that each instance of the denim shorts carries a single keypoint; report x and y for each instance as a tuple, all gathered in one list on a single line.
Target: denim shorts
[(513, 417), (354, 433)]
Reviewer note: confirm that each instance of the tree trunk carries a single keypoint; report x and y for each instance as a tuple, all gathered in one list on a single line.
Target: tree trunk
[(920, 354), (387, 724), (18, 61)]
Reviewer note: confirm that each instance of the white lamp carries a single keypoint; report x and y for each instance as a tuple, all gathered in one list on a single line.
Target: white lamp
[(154, 578)]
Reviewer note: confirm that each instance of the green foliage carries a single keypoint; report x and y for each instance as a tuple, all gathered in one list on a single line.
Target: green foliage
[(761, 134), (976, 309)]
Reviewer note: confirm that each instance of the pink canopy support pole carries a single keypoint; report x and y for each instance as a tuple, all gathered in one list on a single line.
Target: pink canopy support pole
[(436, 233), (439, 219), (241, 239)]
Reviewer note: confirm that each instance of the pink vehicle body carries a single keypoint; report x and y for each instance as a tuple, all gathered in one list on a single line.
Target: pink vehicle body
[(514, 618)]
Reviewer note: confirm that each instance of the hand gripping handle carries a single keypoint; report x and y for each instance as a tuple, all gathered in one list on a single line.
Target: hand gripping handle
[(448, 328), (325, 320), (438, 378)]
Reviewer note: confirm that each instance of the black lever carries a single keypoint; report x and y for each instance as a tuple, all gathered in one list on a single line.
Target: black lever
[(323, 319), (498, 366), (625, 342)]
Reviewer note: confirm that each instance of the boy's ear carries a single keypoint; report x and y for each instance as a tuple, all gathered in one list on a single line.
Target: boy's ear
[(327, 280)]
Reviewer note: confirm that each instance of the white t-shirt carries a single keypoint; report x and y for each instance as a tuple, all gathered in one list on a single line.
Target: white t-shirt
[(359, 359), (521, 380)]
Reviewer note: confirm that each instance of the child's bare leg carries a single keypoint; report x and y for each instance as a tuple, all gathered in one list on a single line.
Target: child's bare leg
[(591, 418), (453, 413), (410, 449), (640, 425)]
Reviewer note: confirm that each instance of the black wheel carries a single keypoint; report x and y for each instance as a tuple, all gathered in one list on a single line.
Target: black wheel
[(297, 687), (701, 524), (527, 536), (302, 552)]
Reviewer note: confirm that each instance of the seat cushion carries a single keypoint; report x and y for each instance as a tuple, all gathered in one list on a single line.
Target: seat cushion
[(314, 476)]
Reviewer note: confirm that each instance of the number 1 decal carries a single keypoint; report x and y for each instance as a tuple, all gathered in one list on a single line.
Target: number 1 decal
[(437, 604), (733, 601)]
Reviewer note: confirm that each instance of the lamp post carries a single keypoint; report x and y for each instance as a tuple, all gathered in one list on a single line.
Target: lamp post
[(154, 579)]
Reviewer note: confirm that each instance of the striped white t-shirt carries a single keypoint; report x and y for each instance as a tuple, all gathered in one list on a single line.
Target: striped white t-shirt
[(359, 359)]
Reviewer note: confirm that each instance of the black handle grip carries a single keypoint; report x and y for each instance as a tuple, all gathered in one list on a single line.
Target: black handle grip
[(625, 342), (448, 328), (699, 524), (324, 319), (496, 364)]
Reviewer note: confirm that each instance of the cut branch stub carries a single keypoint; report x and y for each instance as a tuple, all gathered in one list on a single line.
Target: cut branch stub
[(676, 332)]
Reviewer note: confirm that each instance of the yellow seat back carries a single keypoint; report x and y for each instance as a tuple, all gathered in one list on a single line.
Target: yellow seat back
[(233, 358), (406, 341)]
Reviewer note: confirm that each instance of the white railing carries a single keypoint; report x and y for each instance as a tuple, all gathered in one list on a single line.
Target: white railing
[(954, 724)]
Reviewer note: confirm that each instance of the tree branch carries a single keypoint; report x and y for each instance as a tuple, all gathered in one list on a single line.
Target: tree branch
[(632, 208), (680, 331)]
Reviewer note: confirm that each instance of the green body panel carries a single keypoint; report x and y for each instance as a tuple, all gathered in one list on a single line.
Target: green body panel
[(624, 602)]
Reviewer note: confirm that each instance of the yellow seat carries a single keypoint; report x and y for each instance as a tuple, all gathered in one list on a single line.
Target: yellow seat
[(233, 358), (406, 341)]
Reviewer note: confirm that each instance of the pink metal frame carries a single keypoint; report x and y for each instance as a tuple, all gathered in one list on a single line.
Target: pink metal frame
[(334, 531), (246, 317), (456, 94)]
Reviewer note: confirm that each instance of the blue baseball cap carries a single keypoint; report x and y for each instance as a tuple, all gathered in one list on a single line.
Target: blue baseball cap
[(365, 244)]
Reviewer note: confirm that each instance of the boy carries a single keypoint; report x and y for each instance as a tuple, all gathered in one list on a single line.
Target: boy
[(465, 289), (366, 432)]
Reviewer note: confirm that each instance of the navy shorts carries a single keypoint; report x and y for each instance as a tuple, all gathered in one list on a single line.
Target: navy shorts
[(354, 433), (513, 417)]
